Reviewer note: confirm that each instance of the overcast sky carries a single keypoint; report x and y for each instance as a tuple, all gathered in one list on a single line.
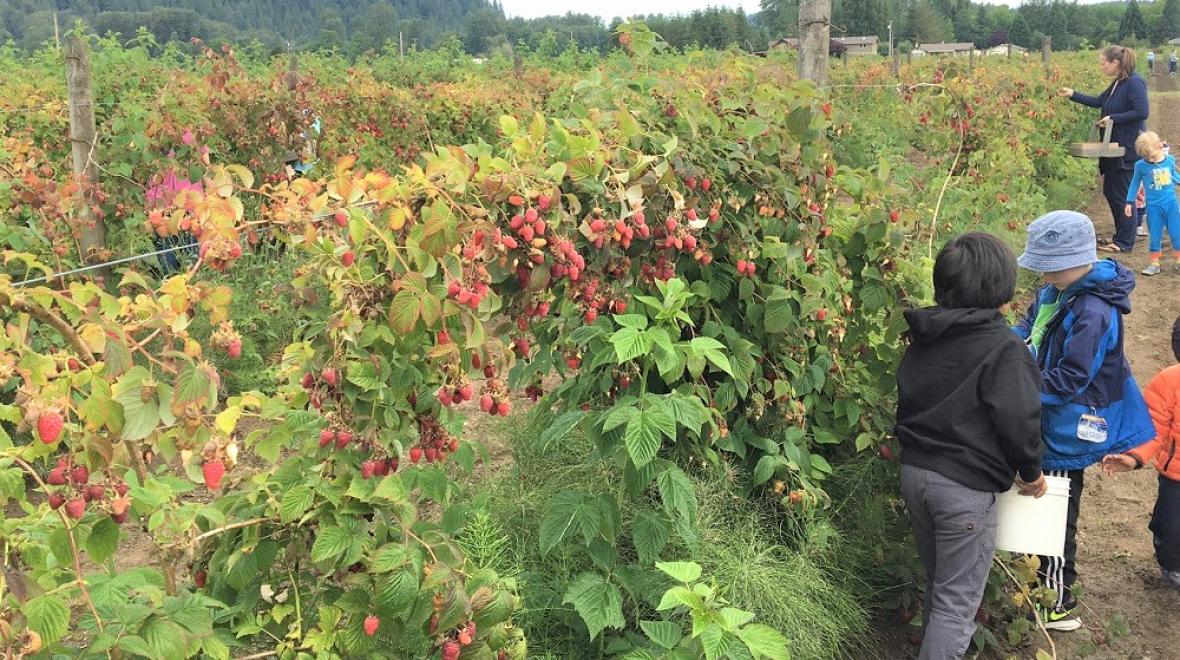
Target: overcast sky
[(608, 9)]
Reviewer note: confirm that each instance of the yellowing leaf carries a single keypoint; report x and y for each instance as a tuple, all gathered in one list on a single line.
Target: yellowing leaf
[(227, 420), (93, 336), (397, 218), (244, 175)]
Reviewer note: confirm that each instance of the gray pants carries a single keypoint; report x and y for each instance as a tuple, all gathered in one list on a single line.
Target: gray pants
[(956, 531)]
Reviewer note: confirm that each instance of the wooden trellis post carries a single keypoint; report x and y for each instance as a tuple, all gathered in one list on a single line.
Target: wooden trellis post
[(83, 143)]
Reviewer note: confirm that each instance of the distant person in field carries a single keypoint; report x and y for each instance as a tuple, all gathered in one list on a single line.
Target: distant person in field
[(298, 162), (1172, 59), (1123, 104), (1091, 405), (1158, 175), (1163, 400), (969, 423), (1151, 61)]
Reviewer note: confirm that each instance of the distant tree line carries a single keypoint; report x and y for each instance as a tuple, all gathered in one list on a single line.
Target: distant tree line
[(357, 26)]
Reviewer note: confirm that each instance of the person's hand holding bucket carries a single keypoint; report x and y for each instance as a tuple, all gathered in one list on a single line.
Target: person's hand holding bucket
[(1033, 488)]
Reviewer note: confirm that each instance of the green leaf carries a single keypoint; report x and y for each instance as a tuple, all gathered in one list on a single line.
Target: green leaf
[(509, 126), (597, 601), (166, 638), (764, 641), (391, 556), (681, 571), (664, 633), (735, 618), (365, 376), (296, 501), (680, 502), (715, 641), (765, 468), (687, 411), (396, 592), (404, 312), (618, 416), (630, 343), (140, 417), (561, 427), (136, 645), (636, 321), (649, 533), (103, 540), (642, 436), (873, 297), (780, 313), (331, 542), (680, 597), (12, 483), (48, 616), (192, 386), (117, 358), (559, 517)]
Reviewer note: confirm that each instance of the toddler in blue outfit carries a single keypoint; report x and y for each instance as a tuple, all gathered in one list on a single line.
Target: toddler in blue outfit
[(1157, 173)]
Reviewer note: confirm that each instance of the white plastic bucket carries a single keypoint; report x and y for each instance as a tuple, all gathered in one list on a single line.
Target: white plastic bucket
[(1034, 526)]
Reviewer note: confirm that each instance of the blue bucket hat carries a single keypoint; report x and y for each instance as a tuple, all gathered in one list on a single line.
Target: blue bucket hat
[(1059, 240)]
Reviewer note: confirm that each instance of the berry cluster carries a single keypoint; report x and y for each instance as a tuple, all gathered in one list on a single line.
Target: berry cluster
[(599, 231), (220, 253), (72, 488), (228, 339), (567, 262), (468, 295), (663, 269), (326, 385), (378, 467), (494, 400), (434, 443), (453, 645)]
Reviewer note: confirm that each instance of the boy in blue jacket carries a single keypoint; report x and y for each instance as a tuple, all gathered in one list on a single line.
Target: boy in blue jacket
[(1090, 403)]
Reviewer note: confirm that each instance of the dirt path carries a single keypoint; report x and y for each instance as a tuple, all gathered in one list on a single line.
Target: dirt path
[(1116, 562)]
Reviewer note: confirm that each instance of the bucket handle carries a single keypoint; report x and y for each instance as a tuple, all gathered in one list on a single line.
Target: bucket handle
[(1105, 135)]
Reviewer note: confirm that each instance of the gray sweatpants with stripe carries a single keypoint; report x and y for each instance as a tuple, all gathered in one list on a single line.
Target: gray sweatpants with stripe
[(956, 531)]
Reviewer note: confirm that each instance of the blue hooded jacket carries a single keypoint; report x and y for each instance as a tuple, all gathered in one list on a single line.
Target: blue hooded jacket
[(1084, 370)]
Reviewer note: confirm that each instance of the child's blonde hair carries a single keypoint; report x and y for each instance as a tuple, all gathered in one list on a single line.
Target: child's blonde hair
[(1149, 144)]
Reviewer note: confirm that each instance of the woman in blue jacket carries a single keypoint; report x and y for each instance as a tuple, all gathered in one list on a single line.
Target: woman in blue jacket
[(1124, 103), (1090, 402)]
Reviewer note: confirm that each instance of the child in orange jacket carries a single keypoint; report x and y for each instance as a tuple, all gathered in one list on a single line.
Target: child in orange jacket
[(1163, 400)]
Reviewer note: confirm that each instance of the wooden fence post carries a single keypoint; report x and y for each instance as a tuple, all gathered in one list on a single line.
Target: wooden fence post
[(84, 144), (971, 60), (896, 63), (1046, 48), (1009, 50), (815, 17)]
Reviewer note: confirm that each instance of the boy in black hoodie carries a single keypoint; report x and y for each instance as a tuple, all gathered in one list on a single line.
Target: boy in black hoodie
[(969, 422)]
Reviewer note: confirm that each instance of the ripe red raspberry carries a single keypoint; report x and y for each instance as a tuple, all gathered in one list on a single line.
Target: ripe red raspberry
[(213, 471), (49, 426), (371, 624), (234, 350)]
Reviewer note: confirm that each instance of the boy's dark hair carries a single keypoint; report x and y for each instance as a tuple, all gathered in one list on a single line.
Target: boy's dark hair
[(1176, 339), (974, 270)]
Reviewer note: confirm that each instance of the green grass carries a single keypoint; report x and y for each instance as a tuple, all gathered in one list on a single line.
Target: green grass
[(792, 576), (262, 312)]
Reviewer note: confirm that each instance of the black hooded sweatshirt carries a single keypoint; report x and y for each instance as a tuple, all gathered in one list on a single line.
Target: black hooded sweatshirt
[(969, 399)]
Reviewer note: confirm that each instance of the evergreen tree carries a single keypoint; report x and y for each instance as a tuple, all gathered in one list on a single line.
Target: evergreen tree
[(860, 18), (1168, 25), (1132, 25)]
